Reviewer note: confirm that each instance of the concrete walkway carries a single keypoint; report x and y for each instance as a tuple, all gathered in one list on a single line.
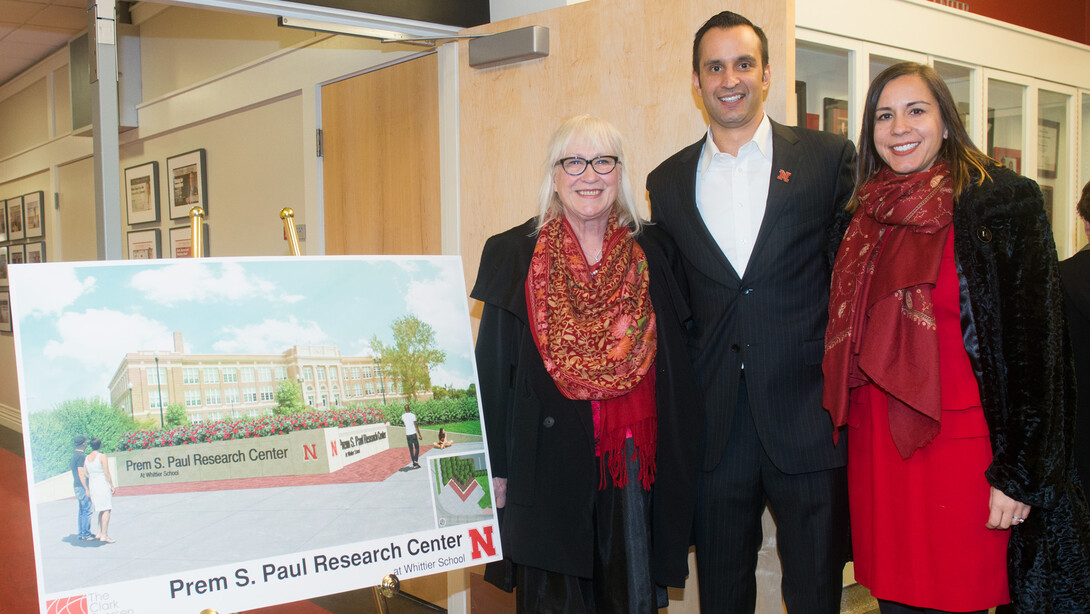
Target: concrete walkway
[(168, 533)]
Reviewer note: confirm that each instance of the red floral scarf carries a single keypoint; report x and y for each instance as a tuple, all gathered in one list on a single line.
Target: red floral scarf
[(596, 335), (881, 318)]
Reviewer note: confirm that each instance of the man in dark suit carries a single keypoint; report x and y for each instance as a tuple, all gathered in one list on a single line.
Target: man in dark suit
[(753, 207), (1075, 277)]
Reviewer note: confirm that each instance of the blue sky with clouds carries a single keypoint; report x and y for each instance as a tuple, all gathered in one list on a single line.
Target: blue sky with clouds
[(75, 321)]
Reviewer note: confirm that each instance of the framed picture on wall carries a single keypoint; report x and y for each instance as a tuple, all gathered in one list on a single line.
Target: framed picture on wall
[(3, 221), (143, 244), (35, 252), (5, 312), (181, 242), (188, 187), (16, 254), (836, 116), (33, 215), (15, 218), (1009, 157), (142, 193), (3, 267), (1048, 147)]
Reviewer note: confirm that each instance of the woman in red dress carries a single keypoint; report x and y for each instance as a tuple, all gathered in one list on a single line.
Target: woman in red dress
[(945, 359)]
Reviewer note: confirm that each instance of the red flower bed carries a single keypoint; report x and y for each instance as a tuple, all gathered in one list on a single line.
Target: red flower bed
[(246, 429)]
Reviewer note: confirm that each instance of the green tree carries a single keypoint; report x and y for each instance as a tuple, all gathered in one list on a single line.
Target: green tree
[(175, 416), (410, 356), (289, 398), (51, 432)]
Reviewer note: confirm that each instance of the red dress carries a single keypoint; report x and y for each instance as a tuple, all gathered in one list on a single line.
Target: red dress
[(918, 531)]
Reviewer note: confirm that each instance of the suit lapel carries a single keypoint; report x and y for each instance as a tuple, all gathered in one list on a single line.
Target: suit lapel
[(707, 255), (780, 186)]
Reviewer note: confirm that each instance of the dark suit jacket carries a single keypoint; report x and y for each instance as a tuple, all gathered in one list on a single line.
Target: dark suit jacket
[(773, 318), (543, 442), (1075, 275)]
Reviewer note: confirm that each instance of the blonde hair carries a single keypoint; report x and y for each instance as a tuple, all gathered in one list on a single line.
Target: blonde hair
[(601, 135)]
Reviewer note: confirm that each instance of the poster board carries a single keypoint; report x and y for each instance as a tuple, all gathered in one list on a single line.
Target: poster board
[(244, 510)]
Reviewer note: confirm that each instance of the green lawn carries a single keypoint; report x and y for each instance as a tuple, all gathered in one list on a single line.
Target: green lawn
[(472, 427)]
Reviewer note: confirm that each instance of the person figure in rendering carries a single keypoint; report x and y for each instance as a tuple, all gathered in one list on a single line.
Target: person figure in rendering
[(101, 486), (412, 435), (946, 357), (752, 206), (588, 398), (1075, 277), (79, 485), (442, 441)]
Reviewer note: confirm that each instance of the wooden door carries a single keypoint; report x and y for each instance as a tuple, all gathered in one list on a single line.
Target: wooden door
[(381, 160)]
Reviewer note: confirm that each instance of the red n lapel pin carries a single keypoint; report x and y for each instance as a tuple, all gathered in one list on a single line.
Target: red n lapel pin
[(784, 176)]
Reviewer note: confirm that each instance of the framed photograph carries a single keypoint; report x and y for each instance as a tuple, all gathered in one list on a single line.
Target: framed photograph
[(188, 186), (16, 254), (181, 242), (35, 252), (144, 244), (33, 215), (1008, 157), (1048, 147), (836, 116), (3, 221), (142, 193), (15, 219), (3, 267), (5, 312)]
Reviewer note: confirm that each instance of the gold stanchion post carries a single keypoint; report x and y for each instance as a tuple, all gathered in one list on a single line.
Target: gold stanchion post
[(288, 215), (196, 229)]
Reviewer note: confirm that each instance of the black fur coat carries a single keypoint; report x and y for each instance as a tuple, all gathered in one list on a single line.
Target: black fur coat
[(1012, 320)]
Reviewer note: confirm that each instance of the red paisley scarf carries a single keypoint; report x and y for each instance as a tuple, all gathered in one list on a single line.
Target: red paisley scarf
[(881, 318), (596, 335)]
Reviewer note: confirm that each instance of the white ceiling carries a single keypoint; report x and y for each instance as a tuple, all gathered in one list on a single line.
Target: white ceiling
[(30, 30)]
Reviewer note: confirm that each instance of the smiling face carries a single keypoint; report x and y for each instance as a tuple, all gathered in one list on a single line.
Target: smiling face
[(908, 127), (732, 82), (587, 197)]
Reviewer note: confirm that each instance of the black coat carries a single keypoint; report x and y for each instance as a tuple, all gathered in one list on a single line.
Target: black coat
[(1075, 275), (543, 442), (1013, 326)]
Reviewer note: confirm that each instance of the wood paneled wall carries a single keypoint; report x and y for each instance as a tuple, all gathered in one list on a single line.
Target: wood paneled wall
[(627, 61)]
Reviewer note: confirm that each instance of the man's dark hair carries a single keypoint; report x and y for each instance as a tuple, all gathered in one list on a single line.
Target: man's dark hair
[(727, 19), (1084, 203), (79, 440)]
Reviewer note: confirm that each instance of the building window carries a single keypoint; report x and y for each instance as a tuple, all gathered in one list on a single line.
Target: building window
[(162, 376), (230, 395), (212, 396), (249, 395), (236, 414), (211, 375), (381, 388), (230, 375), (267, 393), (281, 374), (254, 412), (264, 374), (247, 374), (378, 370), (153, 399), (192, 398), (216, 415), (191, 375), (356, 372), (333, 373), (321, 373), (308, 374), (357, 389), (196, 419)]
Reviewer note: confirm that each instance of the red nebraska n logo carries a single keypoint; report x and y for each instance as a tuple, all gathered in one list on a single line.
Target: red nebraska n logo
[(333, 447), (310, 452), (482, 542)]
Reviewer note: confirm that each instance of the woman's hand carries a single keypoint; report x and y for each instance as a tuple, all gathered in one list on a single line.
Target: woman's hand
[(499, 492), (1005, 512)]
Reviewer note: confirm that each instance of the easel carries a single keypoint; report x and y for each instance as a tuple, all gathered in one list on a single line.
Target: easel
[(390, 586)]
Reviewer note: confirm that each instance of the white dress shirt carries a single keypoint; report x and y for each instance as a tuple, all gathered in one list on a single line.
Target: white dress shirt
[(731, 193)]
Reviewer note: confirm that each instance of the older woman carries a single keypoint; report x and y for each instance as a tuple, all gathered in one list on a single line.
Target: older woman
[(587, 392), (947, 359)]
